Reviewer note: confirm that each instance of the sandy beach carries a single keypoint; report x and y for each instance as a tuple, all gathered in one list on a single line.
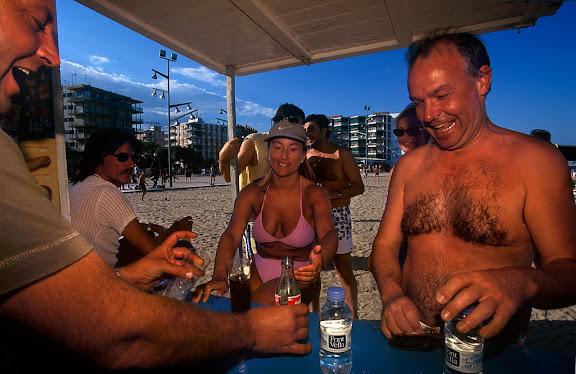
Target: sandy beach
[(211, 207)]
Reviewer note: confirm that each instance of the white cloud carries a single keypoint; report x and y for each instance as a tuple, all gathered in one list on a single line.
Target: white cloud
[(99, 60), (202, 74), (250, 109), (207, 102)]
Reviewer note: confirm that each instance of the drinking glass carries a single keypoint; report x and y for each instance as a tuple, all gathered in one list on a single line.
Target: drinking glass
[(239, 278)]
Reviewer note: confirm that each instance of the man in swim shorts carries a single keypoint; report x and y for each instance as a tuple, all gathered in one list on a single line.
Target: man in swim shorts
[(335, 169)]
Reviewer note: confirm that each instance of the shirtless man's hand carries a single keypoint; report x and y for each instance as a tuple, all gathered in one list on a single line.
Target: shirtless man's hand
[(400, 317), (500, 293)]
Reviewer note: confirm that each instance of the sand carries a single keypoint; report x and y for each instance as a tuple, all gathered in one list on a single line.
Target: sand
[(211, 208)]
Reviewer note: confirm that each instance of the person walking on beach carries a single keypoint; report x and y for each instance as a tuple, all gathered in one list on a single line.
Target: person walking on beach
[(212, 176), (142, 184), (335, 169), (477, 206)]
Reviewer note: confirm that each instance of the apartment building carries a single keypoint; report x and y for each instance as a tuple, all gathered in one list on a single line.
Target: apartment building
[(205, 138), (87, 108), (369, 138)]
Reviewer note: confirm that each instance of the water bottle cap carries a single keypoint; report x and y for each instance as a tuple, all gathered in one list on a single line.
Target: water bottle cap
[(336, 294)]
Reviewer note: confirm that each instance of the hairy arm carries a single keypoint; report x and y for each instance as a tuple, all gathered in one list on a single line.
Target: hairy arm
[(118, 326), (399, 314)]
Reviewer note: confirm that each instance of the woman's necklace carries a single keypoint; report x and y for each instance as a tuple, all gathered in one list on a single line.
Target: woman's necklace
[(292, 186)]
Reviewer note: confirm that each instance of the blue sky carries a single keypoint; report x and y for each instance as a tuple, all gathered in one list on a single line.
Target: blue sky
[(533, 83)]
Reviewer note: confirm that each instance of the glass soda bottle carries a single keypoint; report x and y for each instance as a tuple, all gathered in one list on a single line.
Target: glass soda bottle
[(287, 291), (463, 353), (336, 334)]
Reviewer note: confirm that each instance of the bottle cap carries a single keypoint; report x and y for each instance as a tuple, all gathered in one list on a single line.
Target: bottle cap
[(336, 294)]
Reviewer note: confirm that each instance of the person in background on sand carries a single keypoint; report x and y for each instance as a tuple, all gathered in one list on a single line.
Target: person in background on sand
[(61, 301), (476, 206), (335, 169), (292, 219), (142, 184), (212, 176), (187, 173), (376, 172)]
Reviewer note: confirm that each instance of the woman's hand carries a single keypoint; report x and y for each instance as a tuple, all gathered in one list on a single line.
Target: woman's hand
[(311, 273), (203, 291)]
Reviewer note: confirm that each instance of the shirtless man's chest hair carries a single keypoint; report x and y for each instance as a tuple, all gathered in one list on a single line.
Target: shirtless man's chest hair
[(459, 216)]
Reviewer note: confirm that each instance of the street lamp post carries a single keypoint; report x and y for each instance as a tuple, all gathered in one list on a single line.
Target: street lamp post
[(173, 57), (366, 108)]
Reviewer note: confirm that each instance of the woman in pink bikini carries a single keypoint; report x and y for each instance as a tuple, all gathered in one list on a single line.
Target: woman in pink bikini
[(293, 218)]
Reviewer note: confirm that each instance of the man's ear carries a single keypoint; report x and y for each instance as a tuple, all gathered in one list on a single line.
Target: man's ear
[(484, 80)]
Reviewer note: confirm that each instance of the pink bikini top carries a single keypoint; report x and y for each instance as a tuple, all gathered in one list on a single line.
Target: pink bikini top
[(301, 237)]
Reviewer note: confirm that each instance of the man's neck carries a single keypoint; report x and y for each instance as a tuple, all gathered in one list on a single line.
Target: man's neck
[(324, 146)]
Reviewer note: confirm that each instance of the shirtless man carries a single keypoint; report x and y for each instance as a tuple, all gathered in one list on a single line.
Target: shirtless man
[(336, 170), (477, 206)]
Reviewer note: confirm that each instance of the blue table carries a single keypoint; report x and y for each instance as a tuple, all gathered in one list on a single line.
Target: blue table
[(373, 354)]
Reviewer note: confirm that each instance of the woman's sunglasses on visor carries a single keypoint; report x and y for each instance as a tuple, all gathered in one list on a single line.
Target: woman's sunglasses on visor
[(291, 119)]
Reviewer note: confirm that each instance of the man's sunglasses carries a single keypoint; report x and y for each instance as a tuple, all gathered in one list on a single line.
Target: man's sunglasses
[(291, 119), (123, 157), (411, 131)]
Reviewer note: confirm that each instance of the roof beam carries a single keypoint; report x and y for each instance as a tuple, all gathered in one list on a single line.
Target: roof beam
[(270, 25), (398, 12)]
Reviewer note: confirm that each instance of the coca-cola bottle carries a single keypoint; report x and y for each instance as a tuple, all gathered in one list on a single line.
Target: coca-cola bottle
[(287, 291)]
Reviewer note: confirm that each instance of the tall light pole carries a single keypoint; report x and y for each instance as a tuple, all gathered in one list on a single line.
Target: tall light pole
[(366, 108), (173, 57)]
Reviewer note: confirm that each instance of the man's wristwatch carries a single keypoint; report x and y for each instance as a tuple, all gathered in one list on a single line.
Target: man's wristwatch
[(339, 193)]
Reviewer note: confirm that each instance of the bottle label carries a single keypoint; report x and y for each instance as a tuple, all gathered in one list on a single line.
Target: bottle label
[(335, 336), (292, 300), (463, 362)]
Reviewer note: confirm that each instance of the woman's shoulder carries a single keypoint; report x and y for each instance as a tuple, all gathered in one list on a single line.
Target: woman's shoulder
[(309, 187)]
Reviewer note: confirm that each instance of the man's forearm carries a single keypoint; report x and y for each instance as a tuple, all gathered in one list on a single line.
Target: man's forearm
[(555, 284), (225, 168), (351, 191)]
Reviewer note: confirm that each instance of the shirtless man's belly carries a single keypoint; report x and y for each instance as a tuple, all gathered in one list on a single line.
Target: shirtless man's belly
[(466, 223)]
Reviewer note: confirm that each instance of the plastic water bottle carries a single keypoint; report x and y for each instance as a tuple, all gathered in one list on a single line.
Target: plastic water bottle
[(336, 334), (463, 353)]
